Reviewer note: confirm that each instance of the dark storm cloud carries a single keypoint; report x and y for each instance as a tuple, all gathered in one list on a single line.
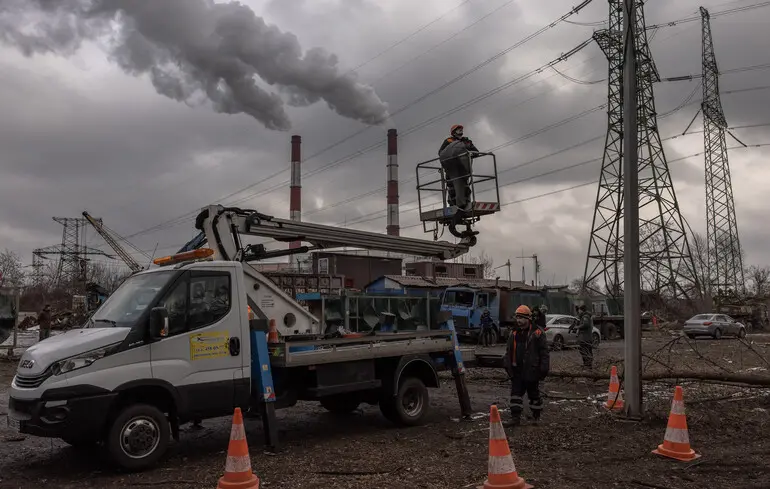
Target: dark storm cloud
[(194, 47), (157, 168)]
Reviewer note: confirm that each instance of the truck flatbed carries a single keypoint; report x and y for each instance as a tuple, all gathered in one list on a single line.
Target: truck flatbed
[(379, 345)]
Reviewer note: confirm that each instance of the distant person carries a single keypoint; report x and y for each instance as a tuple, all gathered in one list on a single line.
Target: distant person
[(487, 328), (538, 316), (44, 321), (585, 336), (527, 361), (456, 162)]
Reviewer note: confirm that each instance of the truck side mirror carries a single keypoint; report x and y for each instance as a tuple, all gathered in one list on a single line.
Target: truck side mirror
[(158, 323)]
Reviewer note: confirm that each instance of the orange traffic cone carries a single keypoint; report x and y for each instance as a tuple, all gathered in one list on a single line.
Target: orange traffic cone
[(614, 396), (238, 474), (676, 441), (272, 332), (501, 473)]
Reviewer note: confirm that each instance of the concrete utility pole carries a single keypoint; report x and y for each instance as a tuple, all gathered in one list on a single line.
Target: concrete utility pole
[(631, 302)]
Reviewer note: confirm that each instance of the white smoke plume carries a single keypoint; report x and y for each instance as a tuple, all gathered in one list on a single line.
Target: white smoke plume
[(194, 47)]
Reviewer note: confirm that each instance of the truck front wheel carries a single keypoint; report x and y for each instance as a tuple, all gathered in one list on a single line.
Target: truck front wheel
[(410, 406), (138, 436)]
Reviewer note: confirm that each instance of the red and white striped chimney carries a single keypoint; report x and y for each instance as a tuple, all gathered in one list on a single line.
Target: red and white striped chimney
[(295, 198), (393, 228)]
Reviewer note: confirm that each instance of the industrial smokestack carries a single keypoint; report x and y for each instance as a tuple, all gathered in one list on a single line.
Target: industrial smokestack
[(393, 228), (295, 197)]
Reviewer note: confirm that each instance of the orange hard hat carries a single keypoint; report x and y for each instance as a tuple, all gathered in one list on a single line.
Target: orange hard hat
[(523, 310), (455, 127)]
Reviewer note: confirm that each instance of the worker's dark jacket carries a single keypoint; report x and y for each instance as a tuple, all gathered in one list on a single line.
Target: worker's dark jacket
[(540, 320), (527, 355), (586, 328), (468, 144), (44, 319)]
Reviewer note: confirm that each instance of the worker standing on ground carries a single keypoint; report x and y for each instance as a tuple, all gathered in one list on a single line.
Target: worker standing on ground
[(44, 322), (585, 336), (456, 162), (487, 328), (527, 362)]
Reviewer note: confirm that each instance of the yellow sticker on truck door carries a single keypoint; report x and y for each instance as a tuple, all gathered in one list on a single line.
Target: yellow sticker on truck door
[(213, 344)]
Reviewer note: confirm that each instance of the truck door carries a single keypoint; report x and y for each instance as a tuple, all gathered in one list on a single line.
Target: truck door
[(201, 355)]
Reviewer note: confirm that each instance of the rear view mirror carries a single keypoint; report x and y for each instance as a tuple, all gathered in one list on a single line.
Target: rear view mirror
[(158, 323)]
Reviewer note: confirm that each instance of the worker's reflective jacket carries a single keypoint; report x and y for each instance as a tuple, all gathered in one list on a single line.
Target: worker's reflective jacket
[(527, 355)]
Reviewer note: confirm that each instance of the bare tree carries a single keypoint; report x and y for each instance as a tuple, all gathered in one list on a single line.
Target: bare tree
[(109, 276), (700, 257), (488, 264), (11, 269), (579, 286), (759, 280)]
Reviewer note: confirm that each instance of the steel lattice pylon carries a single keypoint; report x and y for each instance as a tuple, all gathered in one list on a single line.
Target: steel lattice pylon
[(73, 253), (666, 265), (725, 261)]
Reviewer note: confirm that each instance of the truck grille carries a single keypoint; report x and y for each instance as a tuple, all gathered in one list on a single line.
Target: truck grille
[(460, 321), (32, 381)]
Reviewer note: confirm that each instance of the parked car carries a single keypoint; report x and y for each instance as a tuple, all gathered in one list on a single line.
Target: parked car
[(714, 325), (561, 331)]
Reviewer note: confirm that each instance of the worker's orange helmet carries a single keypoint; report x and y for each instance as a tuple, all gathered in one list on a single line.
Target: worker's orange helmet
[(455, 128), (523, 310)]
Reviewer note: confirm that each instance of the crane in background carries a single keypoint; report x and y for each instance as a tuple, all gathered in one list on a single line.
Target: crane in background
[(109, 236)]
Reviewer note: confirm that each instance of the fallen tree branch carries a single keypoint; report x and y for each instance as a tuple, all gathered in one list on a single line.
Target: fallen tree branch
[(747, 380)]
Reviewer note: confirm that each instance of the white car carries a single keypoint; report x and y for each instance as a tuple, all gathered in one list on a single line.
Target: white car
[(561, 330)]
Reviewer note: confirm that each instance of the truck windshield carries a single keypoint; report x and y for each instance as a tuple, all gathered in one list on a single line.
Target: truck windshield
[(127, 304), (459, 298)]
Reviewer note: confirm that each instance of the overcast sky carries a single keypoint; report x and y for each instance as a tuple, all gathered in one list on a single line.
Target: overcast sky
[(89, 124)]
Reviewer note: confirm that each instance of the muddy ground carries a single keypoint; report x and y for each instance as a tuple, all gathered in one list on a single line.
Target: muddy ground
[(579, 445)]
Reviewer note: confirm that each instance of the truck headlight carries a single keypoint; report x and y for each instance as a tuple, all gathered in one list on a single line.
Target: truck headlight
[(82, 360)]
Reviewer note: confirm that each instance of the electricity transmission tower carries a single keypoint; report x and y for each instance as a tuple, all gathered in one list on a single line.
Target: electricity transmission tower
[(665, 261), (725, 263), (73, 253)]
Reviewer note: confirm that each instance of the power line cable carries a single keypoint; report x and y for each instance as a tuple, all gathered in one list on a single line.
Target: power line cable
[(446, 40), (183, 217), (573, 11), (594, 182), (403, 40)]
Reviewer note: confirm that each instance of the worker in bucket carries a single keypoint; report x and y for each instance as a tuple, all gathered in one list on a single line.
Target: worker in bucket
[(455, 155), (527, 361)]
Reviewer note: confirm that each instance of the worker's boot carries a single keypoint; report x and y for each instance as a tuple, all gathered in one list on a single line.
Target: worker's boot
[(513, 422)]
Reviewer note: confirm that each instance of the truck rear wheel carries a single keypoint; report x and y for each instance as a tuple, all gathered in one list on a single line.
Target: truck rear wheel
[(340, 404), (138, 436), (410, 406)]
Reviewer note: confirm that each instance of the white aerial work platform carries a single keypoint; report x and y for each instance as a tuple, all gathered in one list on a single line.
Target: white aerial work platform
[(205, 332)]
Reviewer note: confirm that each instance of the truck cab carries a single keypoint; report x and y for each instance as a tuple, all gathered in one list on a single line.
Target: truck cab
[(466, 305), (167, 342)]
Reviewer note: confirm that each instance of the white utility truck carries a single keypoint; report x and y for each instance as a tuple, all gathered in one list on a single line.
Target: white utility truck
[(196, 337)]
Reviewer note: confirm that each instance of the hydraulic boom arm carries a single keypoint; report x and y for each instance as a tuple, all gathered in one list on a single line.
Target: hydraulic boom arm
[(224, 225)]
